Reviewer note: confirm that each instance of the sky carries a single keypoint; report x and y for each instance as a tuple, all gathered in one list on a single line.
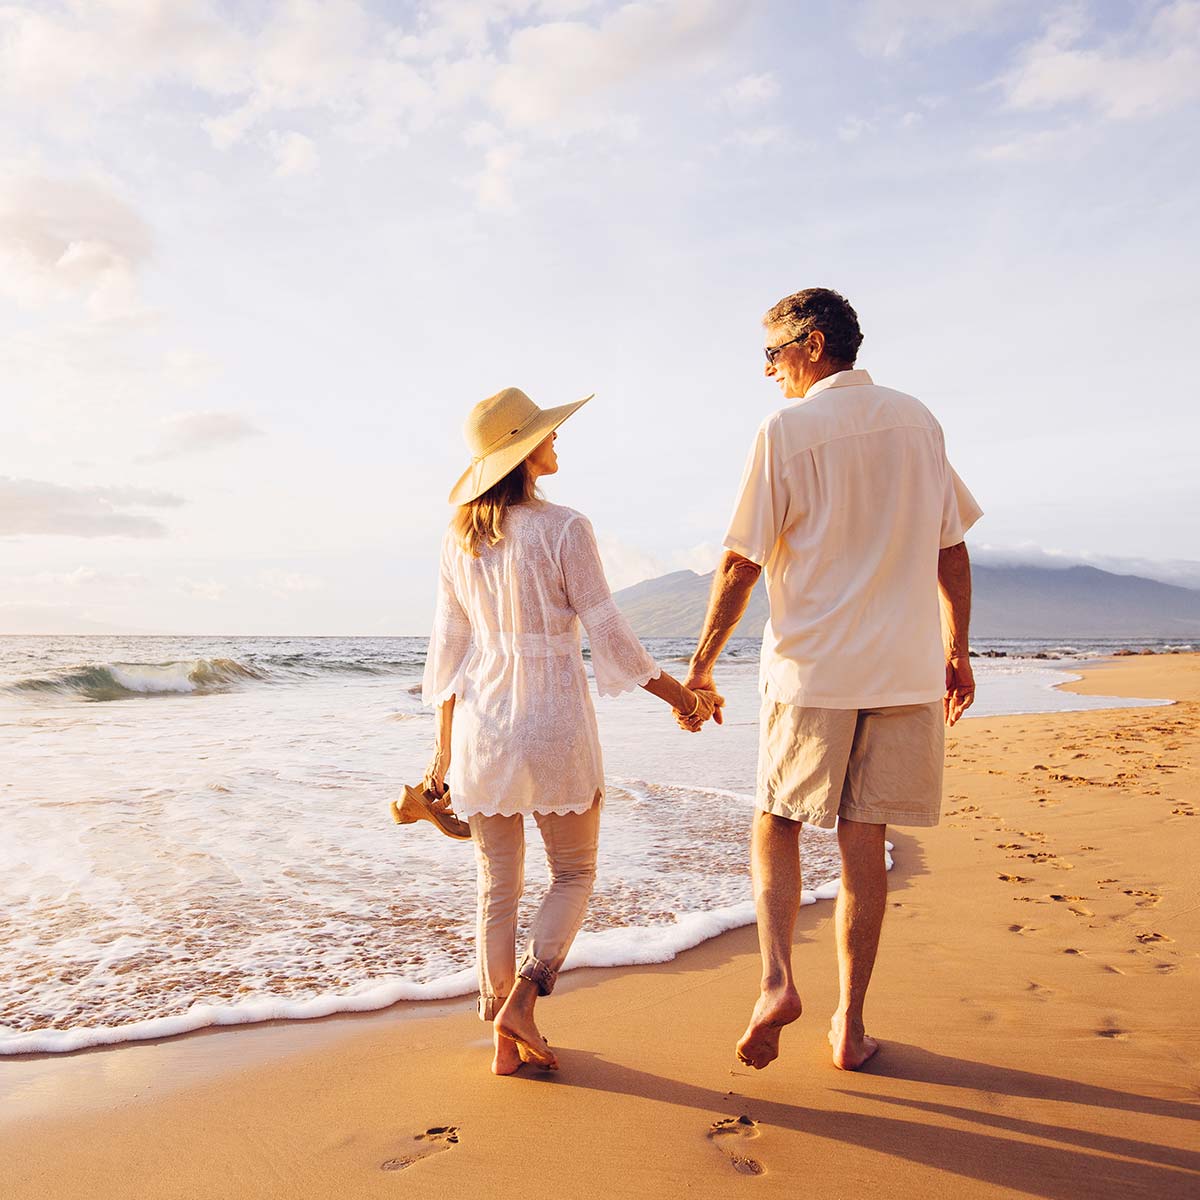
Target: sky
[(259, 260)]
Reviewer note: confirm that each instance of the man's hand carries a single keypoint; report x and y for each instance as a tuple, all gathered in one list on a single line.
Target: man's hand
[(960, 688), (435, 774), (733, 581), (711, 703)]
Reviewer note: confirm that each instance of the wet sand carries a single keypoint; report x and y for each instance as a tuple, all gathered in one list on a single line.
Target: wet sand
[(1036, 996)]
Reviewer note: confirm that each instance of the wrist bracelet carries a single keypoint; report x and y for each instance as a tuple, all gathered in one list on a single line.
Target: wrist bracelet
[(695, 707)]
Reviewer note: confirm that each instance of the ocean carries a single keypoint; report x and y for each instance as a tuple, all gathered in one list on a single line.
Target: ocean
[(195, 831)]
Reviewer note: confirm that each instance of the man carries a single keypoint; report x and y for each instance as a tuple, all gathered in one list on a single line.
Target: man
[(850, 505)]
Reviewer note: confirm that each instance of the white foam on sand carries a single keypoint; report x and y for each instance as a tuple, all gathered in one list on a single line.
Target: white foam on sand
[(618, 947)]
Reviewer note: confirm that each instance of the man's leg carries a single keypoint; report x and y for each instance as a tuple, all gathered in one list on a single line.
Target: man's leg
[(860, 907), (775, 869)]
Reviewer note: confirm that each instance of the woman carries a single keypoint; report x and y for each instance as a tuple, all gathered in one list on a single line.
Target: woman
[(505, 671)]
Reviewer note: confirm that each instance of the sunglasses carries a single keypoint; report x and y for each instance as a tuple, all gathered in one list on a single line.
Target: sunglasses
[(773, 352)]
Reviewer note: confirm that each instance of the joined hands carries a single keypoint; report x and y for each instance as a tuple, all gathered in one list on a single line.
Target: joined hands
[(707, 701)]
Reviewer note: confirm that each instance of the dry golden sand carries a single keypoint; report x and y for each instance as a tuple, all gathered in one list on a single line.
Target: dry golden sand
[(1036, 995)]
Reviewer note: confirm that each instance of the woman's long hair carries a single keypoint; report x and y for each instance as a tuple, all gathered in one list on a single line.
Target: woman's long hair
[(480, 521)]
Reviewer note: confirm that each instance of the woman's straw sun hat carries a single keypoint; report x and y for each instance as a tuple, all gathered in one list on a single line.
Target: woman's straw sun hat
[(501, 432)]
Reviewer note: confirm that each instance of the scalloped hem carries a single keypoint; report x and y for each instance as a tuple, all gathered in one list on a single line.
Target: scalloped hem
[(557, 810), (611, 689)]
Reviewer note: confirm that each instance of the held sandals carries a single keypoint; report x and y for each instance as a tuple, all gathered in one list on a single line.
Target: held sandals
[(418, 805)]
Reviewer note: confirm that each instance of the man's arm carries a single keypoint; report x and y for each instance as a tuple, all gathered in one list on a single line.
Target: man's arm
[(954, 588), (733, 582)]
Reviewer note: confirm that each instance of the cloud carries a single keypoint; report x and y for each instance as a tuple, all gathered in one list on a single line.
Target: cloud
[(29, 506), (493, 185), (84, 578), (625, 565), (559, 75), (544, 68), (295, 153), (196, 433), (114, 49), (1036, 144), (853, 128), (288, 583), (203, 589), (1179, 571), (750, 92), (70, 239), (32, 619), (1135, 73), (889, 28)]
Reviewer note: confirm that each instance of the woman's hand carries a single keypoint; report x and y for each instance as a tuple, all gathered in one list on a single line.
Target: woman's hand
[(435, 774), (706, 702)]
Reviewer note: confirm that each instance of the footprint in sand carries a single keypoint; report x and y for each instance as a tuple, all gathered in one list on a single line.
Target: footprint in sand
[(1021, 929), (1142, 898), (1150, 936), (1014, 878), (1112, 1031), (729, 1135), (1039, 991), (432, 1141), (1040, 858), (1072, 903)]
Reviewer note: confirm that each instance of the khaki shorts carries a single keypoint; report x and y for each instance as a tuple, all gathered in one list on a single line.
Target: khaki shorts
[(878, 765)]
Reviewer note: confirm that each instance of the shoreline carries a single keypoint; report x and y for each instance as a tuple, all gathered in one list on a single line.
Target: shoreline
[(1052, 923), (616, 946), (418, 1006)]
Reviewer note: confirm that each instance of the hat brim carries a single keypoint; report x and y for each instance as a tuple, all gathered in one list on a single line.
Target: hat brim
[(478, 477)]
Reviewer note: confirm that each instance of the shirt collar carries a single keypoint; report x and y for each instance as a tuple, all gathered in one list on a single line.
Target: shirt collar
[(839, 379)]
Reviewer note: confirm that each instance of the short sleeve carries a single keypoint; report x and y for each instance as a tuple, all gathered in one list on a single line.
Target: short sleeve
[(959, 509), (619, 661), (450, 645), (761, 509)]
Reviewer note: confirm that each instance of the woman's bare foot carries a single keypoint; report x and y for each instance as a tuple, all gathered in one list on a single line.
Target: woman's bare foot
[(775, 1009), (515, 1021), (507, 1059), (851, 1045)]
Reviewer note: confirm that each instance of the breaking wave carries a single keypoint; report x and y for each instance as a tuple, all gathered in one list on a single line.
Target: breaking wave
[(210, 673), (120, 681)]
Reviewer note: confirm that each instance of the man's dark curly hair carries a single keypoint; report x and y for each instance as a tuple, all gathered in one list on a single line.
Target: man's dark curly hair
[(823, 309)]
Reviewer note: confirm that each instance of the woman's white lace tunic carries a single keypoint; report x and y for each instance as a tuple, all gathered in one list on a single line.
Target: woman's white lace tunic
[(506, 643)]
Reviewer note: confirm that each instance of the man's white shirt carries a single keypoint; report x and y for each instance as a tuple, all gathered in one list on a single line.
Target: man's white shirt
[(846, 499)]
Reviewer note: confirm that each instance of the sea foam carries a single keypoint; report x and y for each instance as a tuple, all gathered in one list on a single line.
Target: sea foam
[(230, 858), (617, 947)]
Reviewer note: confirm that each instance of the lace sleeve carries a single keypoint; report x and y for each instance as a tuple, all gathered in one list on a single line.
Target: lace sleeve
[(450, 645), (619, 661)]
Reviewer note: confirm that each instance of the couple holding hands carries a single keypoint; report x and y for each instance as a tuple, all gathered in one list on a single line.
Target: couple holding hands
[(850, 506)]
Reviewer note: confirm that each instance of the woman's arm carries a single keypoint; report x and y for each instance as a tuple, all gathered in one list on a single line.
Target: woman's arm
[(698, 705), (435, 775)]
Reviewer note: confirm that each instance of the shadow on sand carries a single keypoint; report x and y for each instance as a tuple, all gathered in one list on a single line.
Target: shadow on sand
[(1076, 1162)]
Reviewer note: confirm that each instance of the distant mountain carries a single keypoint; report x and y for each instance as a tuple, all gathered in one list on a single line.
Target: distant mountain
[(1009, 602)]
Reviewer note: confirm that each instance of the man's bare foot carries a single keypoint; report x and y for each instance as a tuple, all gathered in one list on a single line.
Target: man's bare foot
[(507, 1059), (774, 1010), (531, 1046), (851, 1045)]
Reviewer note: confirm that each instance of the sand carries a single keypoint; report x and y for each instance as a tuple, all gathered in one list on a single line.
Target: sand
[(1036, 995)]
